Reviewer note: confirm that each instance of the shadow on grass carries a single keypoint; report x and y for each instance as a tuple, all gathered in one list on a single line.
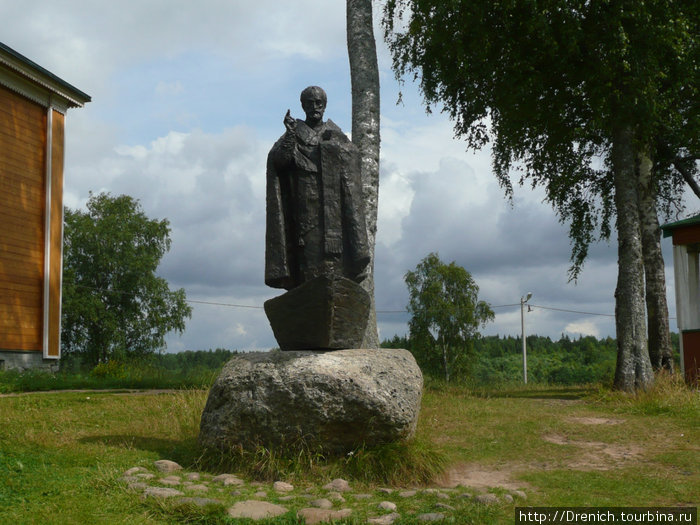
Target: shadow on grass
[(186, 452), (572, 393)]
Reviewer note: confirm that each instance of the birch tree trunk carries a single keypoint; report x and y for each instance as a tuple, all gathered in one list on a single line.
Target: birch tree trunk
[(660, 352), (633, 370), (364, 78)]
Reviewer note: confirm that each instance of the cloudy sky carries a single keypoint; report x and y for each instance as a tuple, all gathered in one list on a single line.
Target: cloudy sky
[(187, 99)]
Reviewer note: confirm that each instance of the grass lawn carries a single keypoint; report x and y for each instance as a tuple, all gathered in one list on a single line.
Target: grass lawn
[(62, 454)]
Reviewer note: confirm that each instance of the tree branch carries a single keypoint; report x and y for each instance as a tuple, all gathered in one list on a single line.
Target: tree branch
[(685, 173)]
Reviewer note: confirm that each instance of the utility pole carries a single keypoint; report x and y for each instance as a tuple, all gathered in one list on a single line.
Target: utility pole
[(524, 300)]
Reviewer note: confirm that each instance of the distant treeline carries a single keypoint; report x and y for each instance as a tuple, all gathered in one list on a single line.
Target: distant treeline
[(191, 359), (567, 361)]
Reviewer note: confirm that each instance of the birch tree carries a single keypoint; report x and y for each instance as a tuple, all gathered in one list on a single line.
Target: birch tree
[(364, 77), (555, 85)]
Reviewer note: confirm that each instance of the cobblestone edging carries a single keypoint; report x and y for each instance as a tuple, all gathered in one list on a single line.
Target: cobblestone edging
[(335, 500)]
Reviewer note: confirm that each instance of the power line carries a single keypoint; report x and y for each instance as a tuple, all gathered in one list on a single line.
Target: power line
[(570, 311), (404, 311), (224, 304)]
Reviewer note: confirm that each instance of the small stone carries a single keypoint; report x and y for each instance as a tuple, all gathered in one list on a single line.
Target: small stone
[(162, 492), (255, 510), (407, 493), (385, 490), (387, 505), (234, 492), (336, 496), (193, 476), (362, 496), (508, 498), (286, 498), (431, 516), (199, 502), (465, 495), (486, 499), (227, 480), (137, 485), (312, 516), (134, 470), (442, 495), (260, 494), (281, 486), (129, 479), (199, 487), (444, 506), (387, 519), (322, 503), (337, 485), (520, 494), (145, 475), (165, 465), (170, 480)]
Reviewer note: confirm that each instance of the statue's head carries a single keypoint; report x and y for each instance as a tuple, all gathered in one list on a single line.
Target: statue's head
[(313, 101)]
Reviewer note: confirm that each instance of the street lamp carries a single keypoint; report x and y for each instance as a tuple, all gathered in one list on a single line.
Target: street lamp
[(523, 300)]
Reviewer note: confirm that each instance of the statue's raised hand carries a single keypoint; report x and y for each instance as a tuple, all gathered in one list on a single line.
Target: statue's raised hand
[(289, 122)]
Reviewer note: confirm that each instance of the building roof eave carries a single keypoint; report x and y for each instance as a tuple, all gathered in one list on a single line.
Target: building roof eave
[(33, 72)]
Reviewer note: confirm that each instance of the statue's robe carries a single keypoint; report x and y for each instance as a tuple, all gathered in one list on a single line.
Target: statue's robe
[(315, 210)]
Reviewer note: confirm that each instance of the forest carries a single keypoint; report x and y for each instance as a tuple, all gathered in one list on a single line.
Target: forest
[(498, 359)]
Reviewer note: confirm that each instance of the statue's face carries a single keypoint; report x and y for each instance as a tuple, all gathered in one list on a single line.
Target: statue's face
[(314, 106)]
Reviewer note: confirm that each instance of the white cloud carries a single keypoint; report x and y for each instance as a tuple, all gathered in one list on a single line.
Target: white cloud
[(582, 328)]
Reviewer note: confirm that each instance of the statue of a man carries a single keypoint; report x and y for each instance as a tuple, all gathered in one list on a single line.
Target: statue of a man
[(315, 210)]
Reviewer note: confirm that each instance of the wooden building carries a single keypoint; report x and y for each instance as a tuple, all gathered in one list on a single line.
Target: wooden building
[(686, 271), (33, 106)]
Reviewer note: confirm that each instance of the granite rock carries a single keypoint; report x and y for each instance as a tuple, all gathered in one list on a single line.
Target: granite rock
[(335, 401)]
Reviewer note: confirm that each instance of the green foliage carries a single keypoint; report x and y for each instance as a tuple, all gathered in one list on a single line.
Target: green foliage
[(114, 305), (189, 369), (565, 362), (445, 315), (550, 82), (497, 360)]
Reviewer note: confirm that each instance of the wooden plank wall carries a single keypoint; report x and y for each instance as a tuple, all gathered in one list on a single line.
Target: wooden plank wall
[(22, 203)]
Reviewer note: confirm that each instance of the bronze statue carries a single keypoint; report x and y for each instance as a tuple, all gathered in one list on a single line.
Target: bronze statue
[(315, 211), (316, 241)]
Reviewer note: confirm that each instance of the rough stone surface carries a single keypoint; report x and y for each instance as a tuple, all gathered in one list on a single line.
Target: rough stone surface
[(165, 465), (335, 400), (387, 519), (407, 493), (520, 494), (486, 499), (227, 480), (313, 516), (322, 503), (281, 486), (338, 485), (336, 496), (255, 510), (387, 505), (325, 313)]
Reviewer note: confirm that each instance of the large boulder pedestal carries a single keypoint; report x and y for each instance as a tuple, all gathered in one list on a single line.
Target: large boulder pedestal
[(335, 401)]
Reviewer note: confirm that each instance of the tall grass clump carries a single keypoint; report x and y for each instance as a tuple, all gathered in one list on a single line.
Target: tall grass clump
[(668, 395), (112, 374), (401, 463)]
